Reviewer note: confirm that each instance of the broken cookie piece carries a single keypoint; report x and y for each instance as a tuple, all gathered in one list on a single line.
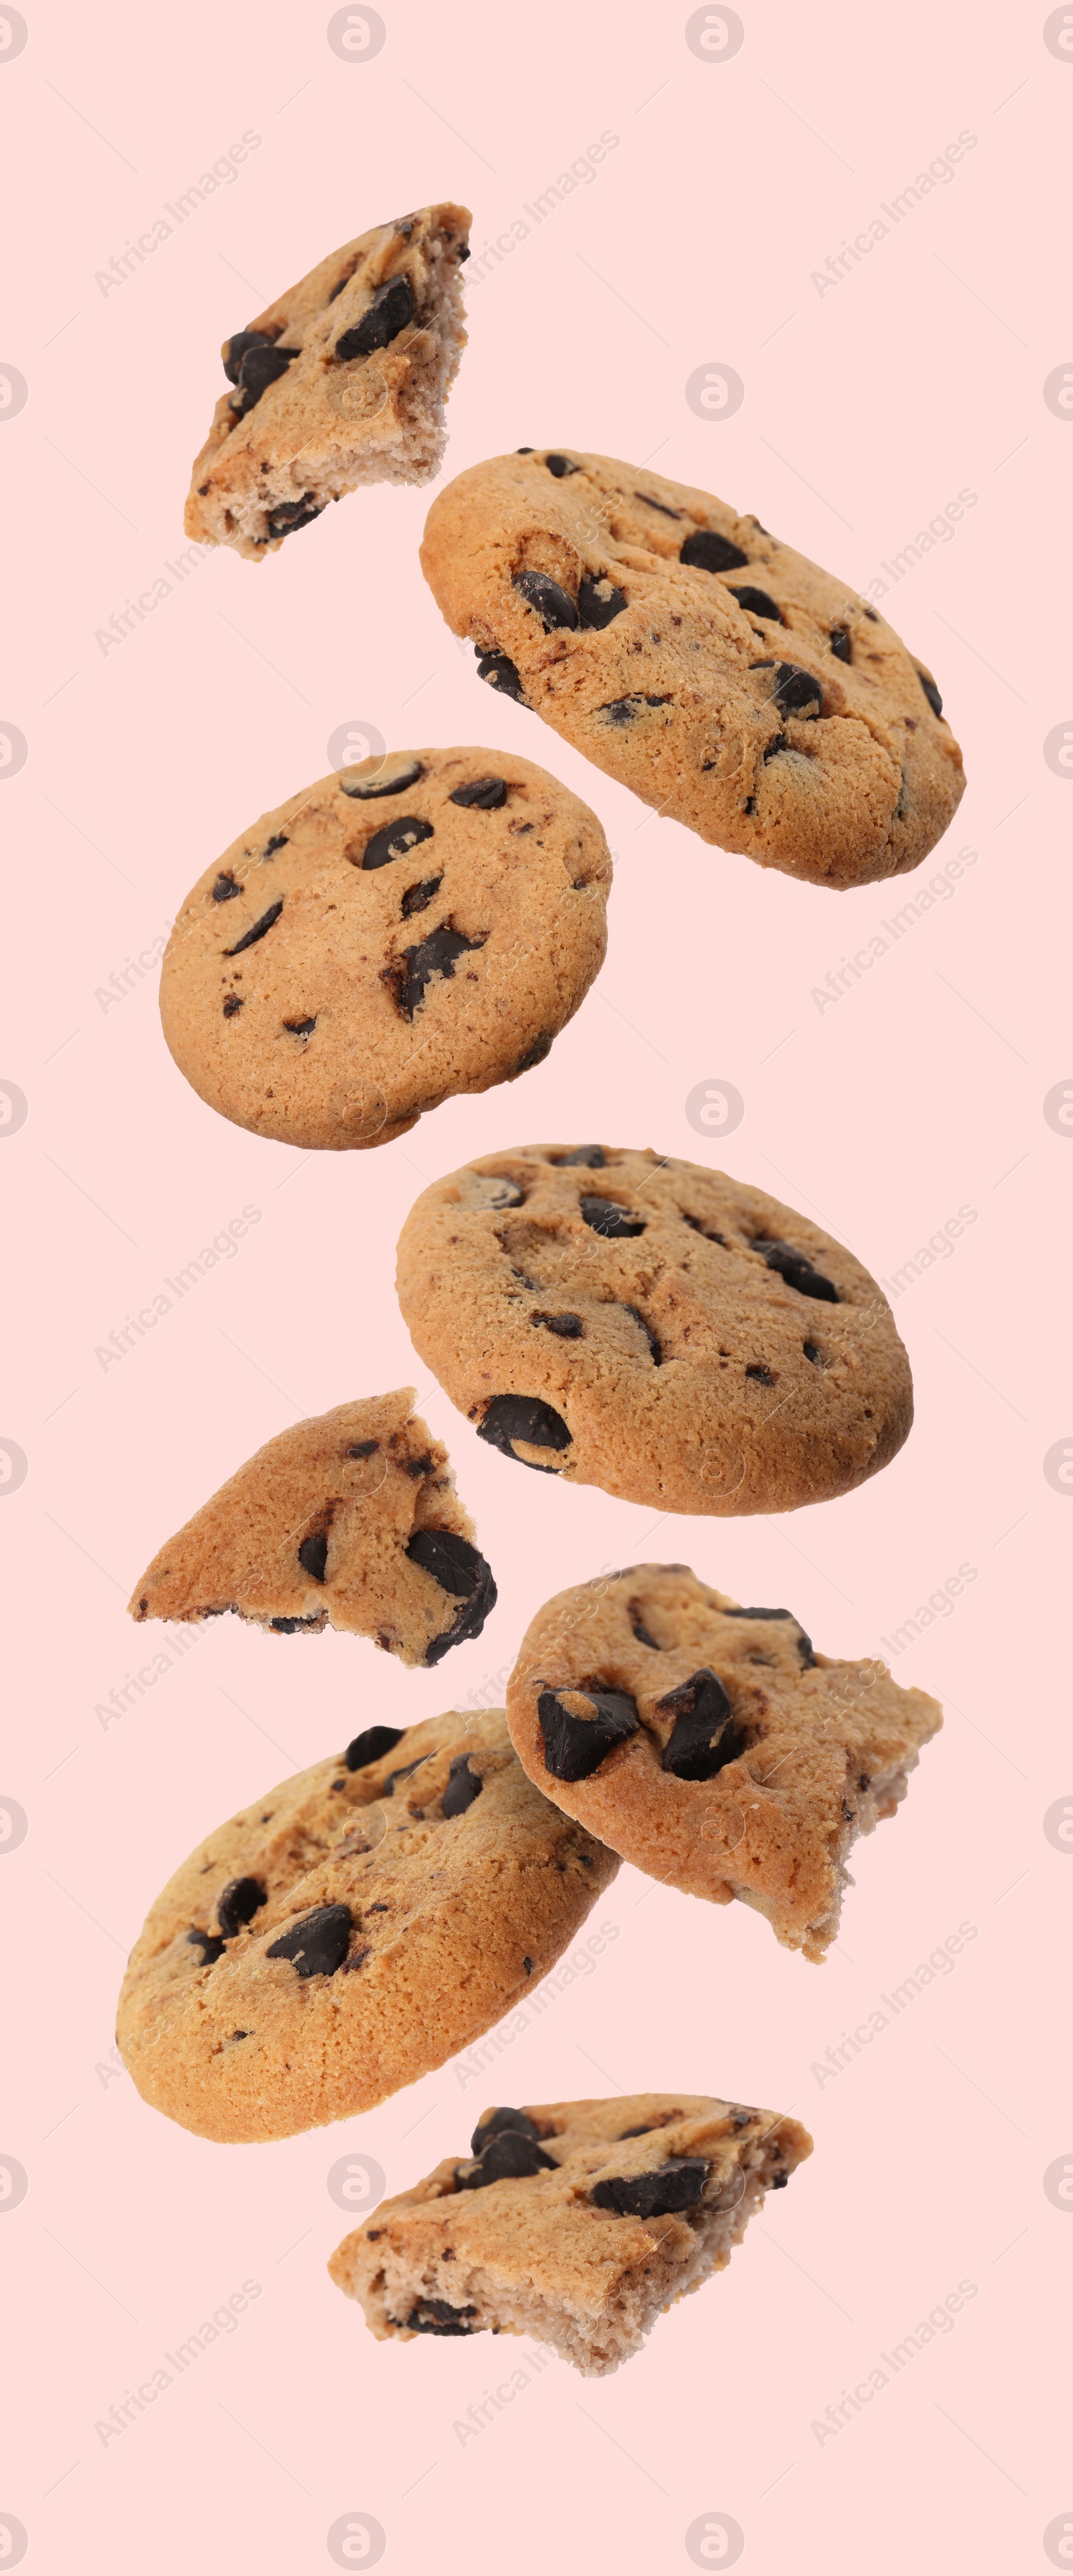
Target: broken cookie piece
[(708, 1744), (349, 1520), (341, 381), (575, 2222)]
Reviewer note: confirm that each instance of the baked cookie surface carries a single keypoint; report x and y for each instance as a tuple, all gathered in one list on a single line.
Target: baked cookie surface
[(723, 677), (417, 925), (575, 2222), (626, 1320), (341, 381), (350, 1520), (352, 1929), (709, 1745)]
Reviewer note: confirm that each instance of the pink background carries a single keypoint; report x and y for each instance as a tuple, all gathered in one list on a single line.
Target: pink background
[(921, 1090)]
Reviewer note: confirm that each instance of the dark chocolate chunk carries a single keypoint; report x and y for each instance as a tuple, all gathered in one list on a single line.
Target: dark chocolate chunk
[(813, 1352), (225, 887), (758, 602), (278, 841), (238, 1902), (232, 1004), (371, 1745), (568, 1327), (841, 643), (643, 1635), (652, 1339), (797, 1270), (454, 1562), (523, 1417), (709, 552), (508, 2156), (575, 1746), (931, 693), (313, 1554), (708, 1231), (462, 1788), (535, 1054), (391, 309), (318, 1943), (363, 1449), (487, 794), (591, 1158), (758, 1614), (504, 2118), (290, 1627), (525, 451), (260, 367), (418, 897), (235, 350), (676, 2185), (365, 788), (777, 743), (663, 507), (289, 515), (553, 606), (410, 975), (599, 600), (344, 281), (705, 1734), (621, 711), (250, 938), (793, 690), (395, 840), (608, 1219), (560, 465), (502, 674), (403, 1773), (434, 2316), (804, 1648), (210, 1945), (301, 1028), (644, 2130), (758, 1370)]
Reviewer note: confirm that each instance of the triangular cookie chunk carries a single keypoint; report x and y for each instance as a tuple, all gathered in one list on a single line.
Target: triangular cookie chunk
[(709, 1745), (341, 381), (350, 1519), (575, 2222)]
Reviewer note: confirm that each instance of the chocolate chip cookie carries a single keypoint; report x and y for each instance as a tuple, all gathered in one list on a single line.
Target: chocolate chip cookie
[(349, 1520), (626, 1320), (352, 1929), (729, 681), (709, 1745), (575, 2222), (418, 925), (341, 381)]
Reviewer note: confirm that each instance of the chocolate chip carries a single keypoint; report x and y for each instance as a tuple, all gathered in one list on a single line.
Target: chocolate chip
[(290, 1627), (643, 2131), (434, 2316), (758, 602), (289, 515), (663, 507), (568, 1327), (705, 1734), (410, 975), (758, 1614), (523, 1417), (804, 1648), (621, 711), (643, 1635), (652, 1339), (534, 1054), (777, 743), (504, 2118), (797, 1270), (676, 2185), (487, 794), (708, 1231), (813, 1352), (454, 1563), (792, 689), (612, 1222), (931, 693), (260, 368), (301, 1028), (841, 643), (560, 465), (363, 789), (235, 350), (395, 840), (225, 887), (210, 1945), (391, 309), (344, 281), (238, 1902), (371, 1744), (509, 2156), (763, 1375), (709, 552), (502, 674), (599, 600), (462, 1788), (313, 1554), (363, 1449), (592, 1158), (418, 897), (232, 1004), (318, 1943), (279, 841), (250, 937), (525, 451), (575, 1746), (404, 1772), (553, 606)]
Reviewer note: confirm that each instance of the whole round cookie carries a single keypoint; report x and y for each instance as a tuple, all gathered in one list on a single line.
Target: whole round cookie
[(421, 924), (626, 1320), (727, 680), (352, 1929), (709, 1744)]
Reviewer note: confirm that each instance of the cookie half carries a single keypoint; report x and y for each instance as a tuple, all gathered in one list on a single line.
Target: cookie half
[(351, 1930), (575, 2222), (727, 680), (341, 381), (709, 1745), (350, 1520), (418, 925), (626, 1320)]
